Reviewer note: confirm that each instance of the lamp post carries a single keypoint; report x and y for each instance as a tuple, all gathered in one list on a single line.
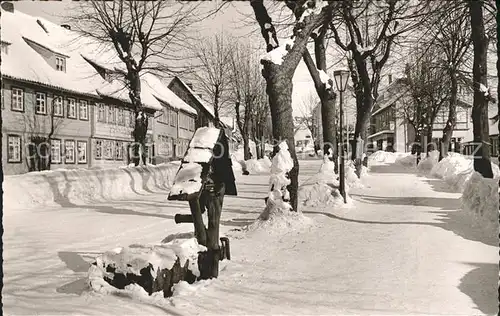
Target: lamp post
[(341, 77)]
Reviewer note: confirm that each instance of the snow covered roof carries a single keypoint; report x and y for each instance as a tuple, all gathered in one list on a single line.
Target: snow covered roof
[(30, 35), (208, 108)]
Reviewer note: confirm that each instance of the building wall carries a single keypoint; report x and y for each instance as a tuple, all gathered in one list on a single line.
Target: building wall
[(202, 118), (27, 124)]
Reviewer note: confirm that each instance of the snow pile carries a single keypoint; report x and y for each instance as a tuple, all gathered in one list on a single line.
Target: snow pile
[(276, 55), (325, 79), (386, 156), (205, 137), (425, 165), (351, 179), (134, 258), (188, 179), (480, 197), (407, 160), (456, 170), (277, 214), (81, 186), (254, 166), (237, 167), (323, 188)]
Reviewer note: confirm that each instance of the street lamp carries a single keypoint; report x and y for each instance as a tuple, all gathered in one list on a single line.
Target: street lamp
[(341, 78)]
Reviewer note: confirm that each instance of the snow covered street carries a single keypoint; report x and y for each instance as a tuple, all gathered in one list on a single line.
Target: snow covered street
[(404, 247)]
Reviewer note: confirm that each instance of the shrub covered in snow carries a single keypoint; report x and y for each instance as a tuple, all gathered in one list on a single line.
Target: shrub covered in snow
[(480, 197)]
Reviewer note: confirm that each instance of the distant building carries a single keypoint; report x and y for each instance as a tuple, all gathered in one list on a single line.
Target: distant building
[(303, 137), (388, 129)]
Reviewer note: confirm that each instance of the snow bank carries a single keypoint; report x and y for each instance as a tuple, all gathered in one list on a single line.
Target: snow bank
[(407, 160), (254, 166), (480, 197), (425, 165), (456, 170), (322, 189), (136, 257), (386, 156), (80, 186)]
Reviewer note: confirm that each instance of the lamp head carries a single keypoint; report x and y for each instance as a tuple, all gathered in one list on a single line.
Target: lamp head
[(341, 78)]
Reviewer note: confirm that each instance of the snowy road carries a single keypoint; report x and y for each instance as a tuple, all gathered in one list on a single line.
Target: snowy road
[(402, 249)]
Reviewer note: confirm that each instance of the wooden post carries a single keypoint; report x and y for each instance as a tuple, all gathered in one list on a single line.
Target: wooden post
[(199, 228)]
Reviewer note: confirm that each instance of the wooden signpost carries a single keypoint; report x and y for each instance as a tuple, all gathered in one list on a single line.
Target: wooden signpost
[(204, 177)]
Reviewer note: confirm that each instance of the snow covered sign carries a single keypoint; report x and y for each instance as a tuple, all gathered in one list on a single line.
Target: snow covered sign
[(208, 153)]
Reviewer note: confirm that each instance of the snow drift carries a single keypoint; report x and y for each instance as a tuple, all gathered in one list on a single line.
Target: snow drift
[(322, 189), (481, 197), (425, 165), (386, 156), (80, 186), (456, 169), (256, 166)]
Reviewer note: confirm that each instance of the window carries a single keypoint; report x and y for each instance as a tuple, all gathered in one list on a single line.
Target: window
[(82, 151), (58, 106), (71, 108), (17, 99), (60, 64), (84, 110), (111, 114), (101, 113), (40, 103), (14, 149), (119, 151), (98, 149), (108, 149), (121, 117), (5, 48), (173, 118), (69, 151), (132, 119), (55, 150)]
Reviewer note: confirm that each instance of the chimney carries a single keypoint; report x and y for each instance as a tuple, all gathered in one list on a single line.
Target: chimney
[(190, 85), (390, 78), (200, 95), (66, 26), (8, 6)]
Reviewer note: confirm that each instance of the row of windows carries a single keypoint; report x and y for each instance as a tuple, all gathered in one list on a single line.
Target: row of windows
[(72, 151), (170, 116), (115, 115), (73, 109), (110, 149)]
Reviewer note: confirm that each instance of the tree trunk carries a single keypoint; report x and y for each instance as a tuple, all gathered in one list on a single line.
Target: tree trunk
[(480, 118), (452, 117), (246, 147), (279, 89), (326, 96), (362, 122)]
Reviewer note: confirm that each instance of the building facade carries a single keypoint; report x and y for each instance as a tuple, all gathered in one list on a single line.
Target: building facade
[(63, 106)]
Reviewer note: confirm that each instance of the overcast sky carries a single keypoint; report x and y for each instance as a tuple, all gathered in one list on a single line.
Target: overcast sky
[(236, 19)]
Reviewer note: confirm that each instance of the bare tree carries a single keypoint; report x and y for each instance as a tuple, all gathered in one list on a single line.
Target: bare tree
[(247, 89), (144, 35), (371, 30), (482, 163), (213, 56), (41, 128), (426, 92), (306, 114), (278, 69)]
